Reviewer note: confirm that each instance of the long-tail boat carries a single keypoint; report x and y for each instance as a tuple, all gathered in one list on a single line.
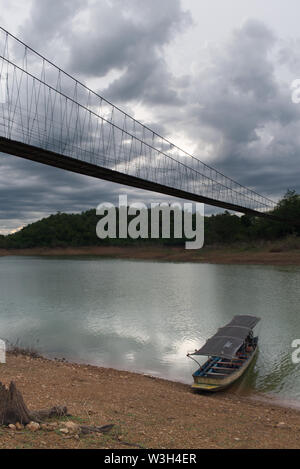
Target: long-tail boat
[(230, 352)]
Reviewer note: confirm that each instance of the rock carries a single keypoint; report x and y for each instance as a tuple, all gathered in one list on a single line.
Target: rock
[(64, 430), (33, 426), (281, 425), (71, 426), (19, 426), (45, 426), (52, 425), (12, 427)]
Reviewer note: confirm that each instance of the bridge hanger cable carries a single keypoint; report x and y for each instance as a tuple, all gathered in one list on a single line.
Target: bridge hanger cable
[(119, 128), (126, 114), (49, 111)]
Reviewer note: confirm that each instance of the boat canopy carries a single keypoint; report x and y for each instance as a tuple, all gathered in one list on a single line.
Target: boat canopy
[(227, 341)]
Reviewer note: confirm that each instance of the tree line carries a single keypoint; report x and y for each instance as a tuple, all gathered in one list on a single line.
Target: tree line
[(78, 230)]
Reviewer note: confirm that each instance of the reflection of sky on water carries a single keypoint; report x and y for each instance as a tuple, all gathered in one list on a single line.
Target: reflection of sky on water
[(146, 316)]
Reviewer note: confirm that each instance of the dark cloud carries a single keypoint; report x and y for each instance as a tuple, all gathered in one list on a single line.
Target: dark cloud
[(35, 191), (129, 36), (30, 191), (49, 21), (244, 114)]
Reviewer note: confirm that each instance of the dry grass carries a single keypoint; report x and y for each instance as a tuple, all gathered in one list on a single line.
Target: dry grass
[(18, 349), (283, 252)]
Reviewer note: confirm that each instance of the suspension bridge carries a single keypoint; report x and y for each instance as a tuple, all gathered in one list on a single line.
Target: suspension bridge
[(49, 117)]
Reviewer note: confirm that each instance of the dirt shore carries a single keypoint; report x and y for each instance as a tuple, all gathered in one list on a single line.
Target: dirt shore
[(176, 254), (146, 412)]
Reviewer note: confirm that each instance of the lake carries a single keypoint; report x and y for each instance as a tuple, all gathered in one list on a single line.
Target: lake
[(145, 316)]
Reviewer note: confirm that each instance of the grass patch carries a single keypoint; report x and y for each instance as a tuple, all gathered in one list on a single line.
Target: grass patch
[(16, 348)]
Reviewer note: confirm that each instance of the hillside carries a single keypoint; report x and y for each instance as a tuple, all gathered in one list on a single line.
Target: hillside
[(78, 230)]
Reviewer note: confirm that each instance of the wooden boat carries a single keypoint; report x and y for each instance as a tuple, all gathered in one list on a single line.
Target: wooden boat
[(230, 352)]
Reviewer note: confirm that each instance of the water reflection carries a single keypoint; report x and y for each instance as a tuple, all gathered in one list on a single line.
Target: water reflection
[(146, 316)]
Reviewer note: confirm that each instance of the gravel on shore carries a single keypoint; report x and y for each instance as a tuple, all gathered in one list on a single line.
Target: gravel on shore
[(146, 412)]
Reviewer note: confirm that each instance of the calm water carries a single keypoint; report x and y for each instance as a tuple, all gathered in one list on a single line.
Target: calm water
[(145, 316)]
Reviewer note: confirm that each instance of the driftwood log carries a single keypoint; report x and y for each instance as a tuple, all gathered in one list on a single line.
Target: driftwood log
[(13, 408), (86, 429)]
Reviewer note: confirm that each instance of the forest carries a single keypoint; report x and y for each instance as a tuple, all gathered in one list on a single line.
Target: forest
[(77, 230)]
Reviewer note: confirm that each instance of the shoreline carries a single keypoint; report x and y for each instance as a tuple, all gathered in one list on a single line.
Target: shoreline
[(146, 412), (209, 255)]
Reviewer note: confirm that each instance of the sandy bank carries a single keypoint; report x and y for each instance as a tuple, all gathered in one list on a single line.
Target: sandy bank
[(146, 412), (176, 254)]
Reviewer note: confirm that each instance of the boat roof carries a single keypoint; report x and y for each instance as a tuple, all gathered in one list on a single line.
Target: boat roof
[(226, 342), (244, 320)]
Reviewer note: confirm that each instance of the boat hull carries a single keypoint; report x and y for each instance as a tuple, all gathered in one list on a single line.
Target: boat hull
[(210, 384)]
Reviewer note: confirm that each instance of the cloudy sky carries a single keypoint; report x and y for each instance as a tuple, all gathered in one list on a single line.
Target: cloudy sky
[(213, 76)]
